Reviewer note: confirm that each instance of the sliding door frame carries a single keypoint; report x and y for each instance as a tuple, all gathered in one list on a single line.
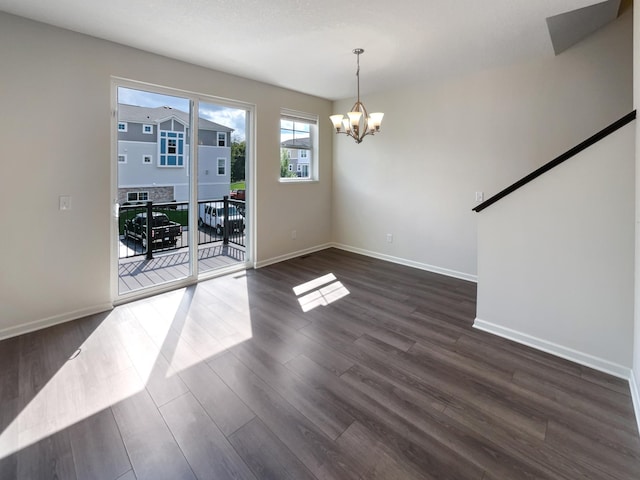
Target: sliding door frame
[(250, 168)]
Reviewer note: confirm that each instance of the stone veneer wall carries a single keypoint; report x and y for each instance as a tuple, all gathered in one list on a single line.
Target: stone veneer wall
[(156, 194)]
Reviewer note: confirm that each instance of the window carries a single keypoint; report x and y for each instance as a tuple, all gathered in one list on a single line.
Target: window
[(147, 159), (137, 196), (298, 138), (122, 158), (122, 126), (222, 166), (147, 129), (222, 139), (172, 149)]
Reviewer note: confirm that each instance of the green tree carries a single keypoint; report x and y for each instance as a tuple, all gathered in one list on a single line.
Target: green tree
[(284, 164), (238, 156)]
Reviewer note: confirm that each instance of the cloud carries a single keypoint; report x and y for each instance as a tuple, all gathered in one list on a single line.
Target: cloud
[(230, 117), (150, 99)]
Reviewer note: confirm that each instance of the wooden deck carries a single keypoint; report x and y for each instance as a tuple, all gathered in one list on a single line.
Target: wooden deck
[(138, 272)]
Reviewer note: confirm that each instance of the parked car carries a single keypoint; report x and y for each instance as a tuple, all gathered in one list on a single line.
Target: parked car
[(238, 194), (163, 230), (212, 214)]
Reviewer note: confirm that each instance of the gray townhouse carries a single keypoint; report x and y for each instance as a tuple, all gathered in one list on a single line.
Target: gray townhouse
[(299, 153), (153, 155)]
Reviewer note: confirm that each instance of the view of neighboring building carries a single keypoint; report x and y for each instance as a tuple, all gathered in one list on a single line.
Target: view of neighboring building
[(299, 154), (153, 156)]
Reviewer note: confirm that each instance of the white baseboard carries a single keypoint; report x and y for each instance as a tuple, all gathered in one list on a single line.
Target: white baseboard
[(635, 397), (576, 356), (53, 320), (289, 256), (408, 263)]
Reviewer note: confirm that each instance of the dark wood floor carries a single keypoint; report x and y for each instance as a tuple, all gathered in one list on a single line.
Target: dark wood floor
[(382, 377)]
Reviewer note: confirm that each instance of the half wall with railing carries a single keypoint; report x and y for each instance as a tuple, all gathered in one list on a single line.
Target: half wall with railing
[(556, 254)]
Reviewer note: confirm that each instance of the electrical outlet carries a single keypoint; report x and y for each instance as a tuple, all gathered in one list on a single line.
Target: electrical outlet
[(64, 202), (389, 237), (479, 196)]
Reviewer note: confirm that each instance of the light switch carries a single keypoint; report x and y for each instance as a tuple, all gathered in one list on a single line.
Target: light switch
[(479, 196), (65, 202)]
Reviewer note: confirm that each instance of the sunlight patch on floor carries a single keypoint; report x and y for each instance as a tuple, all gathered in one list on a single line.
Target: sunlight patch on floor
[(322, 291), (92, 379), (138, 345)]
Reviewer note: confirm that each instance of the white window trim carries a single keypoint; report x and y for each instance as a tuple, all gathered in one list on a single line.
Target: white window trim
[(144, 126), (124, 156), (150, 162), (218, 166), (137, 194), (218, 139), (126, 127), (314, 175), (184, 155)]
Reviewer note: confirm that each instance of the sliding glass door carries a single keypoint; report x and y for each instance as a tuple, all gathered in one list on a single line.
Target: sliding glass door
[(181, 193)]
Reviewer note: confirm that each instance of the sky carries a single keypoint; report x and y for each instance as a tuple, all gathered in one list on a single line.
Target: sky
[(230, 117)]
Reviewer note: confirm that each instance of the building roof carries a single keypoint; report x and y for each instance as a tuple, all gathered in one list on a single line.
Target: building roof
[(135, 114), (303, 143)]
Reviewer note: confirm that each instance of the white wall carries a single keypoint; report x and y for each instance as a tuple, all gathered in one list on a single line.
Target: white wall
[(441, 143), (555, 258), (55, 136)]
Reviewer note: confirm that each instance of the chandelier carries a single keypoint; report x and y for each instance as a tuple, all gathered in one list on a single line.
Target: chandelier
[(357, 123)]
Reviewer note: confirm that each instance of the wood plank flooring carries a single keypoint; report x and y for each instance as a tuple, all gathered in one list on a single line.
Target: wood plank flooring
[(382, 377)]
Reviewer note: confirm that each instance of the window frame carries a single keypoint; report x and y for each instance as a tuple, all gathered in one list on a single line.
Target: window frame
[(137, 194), (224, 166), (125, 127), (312, 120), (181, 147), (145, 156), (124, 158), (144, 127), (224, 139)]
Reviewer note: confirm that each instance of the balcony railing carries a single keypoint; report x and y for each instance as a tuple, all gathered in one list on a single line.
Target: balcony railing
[(219, 221)]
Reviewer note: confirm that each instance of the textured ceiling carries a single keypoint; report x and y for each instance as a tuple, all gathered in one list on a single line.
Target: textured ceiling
[(305, 45)]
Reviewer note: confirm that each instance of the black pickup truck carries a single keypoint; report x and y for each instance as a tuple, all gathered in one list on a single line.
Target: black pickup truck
[(163, 231)]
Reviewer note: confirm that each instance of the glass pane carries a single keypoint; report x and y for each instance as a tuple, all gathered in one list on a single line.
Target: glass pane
[(157, 253), (296, 145), (222, 183)]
